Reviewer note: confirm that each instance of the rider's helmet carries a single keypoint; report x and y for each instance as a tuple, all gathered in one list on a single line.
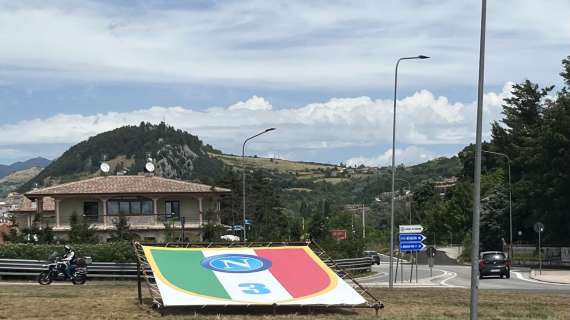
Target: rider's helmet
[(67, 248)]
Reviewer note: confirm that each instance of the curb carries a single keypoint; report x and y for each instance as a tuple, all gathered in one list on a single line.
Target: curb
[(532, 276)]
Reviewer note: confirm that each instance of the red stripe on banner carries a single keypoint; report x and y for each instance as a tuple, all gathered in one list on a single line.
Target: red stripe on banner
[(297, 272)]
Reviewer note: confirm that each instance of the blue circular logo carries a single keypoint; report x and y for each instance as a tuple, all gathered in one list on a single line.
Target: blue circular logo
[(236, 263)]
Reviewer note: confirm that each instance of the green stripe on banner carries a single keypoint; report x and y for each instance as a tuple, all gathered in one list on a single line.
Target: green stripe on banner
[(183, 270)]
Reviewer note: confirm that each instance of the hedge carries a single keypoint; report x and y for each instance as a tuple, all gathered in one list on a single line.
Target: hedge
[(103, 252)]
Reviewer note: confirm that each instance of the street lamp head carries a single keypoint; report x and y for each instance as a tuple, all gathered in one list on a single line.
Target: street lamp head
[(270, 129), (423, 57)]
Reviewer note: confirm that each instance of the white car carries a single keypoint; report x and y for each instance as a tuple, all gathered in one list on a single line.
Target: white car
[(230, 237)]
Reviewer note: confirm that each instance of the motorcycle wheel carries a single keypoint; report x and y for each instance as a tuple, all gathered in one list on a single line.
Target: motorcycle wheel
[(78, 279), (44, 278)]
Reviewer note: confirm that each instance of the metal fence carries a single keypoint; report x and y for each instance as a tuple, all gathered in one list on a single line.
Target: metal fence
[(32, 268)]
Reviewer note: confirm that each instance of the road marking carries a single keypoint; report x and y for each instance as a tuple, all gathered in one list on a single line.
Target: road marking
[(521, 277), (452, 276)]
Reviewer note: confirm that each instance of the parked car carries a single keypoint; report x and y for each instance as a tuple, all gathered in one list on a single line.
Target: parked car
[(374, 255), (494, 263)]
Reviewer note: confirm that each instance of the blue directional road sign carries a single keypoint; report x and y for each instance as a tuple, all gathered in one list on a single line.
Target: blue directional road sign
[(412, 246), (411, 241), (412, 237)]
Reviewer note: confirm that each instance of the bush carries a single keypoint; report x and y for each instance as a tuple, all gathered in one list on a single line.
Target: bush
[(104, 252)]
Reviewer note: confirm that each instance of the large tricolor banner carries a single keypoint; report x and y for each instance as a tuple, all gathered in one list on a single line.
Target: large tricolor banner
[(291, 275)]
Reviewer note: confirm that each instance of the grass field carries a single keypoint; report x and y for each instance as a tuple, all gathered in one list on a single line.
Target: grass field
[(271, 164), (117, 300)]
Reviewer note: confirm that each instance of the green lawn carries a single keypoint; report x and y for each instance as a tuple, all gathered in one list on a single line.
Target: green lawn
[(117, 300), (272, 164)]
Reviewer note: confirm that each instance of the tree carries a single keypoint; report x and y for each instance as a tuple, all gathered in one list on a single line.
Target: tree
[(80, 230), (212, 230), (494, 219), (319, 227), (122, 231)]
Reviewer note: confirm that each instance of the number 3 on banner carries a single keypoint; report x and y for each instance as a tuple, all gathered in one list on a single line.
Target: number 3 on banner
[(254, 288)]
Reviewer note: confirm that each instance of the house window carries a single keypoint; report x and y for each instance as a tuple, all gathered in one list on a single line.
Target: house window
[(172, 208), (91, 210), (112, 208), (134, 207), (146, 207), (124, 207)]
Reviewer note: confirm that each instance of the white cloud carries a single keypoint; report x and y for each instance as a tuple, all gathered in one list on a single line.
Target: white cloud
[(410, 155), (253, 103), (423, 120), (292, 43)]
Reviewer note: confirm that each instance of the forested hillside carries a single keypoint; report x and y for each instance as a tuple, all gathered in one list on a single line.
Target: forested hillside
[(535, 137), (176, 153)]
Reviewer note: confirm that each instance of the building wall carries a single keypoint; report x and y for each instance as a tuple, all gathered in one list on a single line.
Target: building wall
[(189, 207), (22, 220), (28, 219), (69, 206)]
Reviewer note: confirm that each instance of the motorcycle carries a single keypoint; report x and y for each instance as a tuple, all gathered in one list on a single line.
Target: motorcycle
[(55, 271)]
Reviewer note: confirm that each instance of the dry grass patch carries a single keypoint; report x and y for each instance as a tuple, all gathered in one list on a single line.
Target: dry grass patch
[(117, 300)]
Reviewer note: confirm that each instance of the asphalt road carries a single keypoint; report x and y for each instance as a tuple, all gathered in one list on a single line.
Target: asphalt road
[(459, 276)]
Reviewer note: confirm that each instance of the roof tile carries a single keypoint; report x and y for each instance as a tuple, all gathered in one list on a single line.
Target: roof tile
[(125, 184)]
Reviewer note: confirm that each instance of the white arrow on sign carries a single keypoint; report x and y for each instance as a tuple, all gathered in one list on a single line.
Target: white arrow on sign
[(413, 228)]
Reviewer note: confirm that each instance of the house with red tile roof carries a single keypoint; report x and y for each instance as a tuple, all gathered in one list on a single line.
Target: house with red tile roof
[(26, 212), (147, 202)]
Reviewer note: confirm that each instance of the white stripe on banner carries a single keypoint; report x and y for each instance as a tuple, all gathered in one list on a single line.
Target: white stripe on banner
[(260, 286)]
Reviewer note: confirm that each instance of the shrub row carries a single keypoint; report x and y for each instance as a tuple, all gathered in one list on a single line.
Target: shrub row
[(104, 252)]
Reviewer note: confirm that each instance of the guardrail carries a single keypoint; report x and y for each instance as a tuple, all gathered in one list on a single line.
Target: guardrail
[(353, 264), (32, 268)]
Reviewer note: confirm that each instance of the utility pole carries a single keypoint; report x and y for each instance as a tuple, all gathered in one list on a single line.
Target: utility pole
[(477, 175)]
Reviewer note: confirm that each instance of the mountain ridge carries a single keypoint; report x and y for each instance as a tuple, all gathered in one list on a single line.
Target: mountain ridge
[(7, 169)]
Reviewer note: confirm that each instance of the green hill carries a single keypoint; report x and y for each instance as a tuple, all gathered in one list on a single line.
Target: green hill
[(176, 154)]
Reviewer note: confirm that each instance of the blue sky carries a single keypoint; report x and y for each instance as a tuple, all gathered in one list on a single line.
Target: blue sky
[(319, 71)]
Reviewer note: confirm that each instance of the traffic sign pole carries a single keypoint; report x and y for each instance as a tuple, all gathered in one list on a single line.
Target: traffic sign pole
[(539, 228), (411, 265), (416, 267), (411, 240), (396, 272), (539, 255)]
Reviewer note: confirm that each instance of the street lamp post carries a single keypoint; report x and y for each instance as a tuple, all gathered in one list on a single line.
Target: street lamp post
[(477, 174), (391, 280), (243, 175), (510, 202)]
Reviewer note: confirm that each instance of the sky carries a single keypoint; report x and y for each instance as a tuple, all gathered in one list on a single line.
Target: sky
[(321, 72)]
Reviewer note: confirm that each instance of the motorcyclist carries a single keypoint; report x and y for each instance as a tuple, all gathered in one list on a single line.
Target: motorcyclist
[(68, 260)]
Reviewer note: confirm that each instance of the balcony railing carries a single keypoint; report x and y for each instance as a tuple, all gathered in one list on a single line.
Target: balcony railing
[(158, 220)]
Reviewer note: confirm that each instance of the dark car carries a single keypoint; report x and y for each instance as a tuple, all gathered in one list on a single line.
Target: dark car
[(494, 263), (374, 255)]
